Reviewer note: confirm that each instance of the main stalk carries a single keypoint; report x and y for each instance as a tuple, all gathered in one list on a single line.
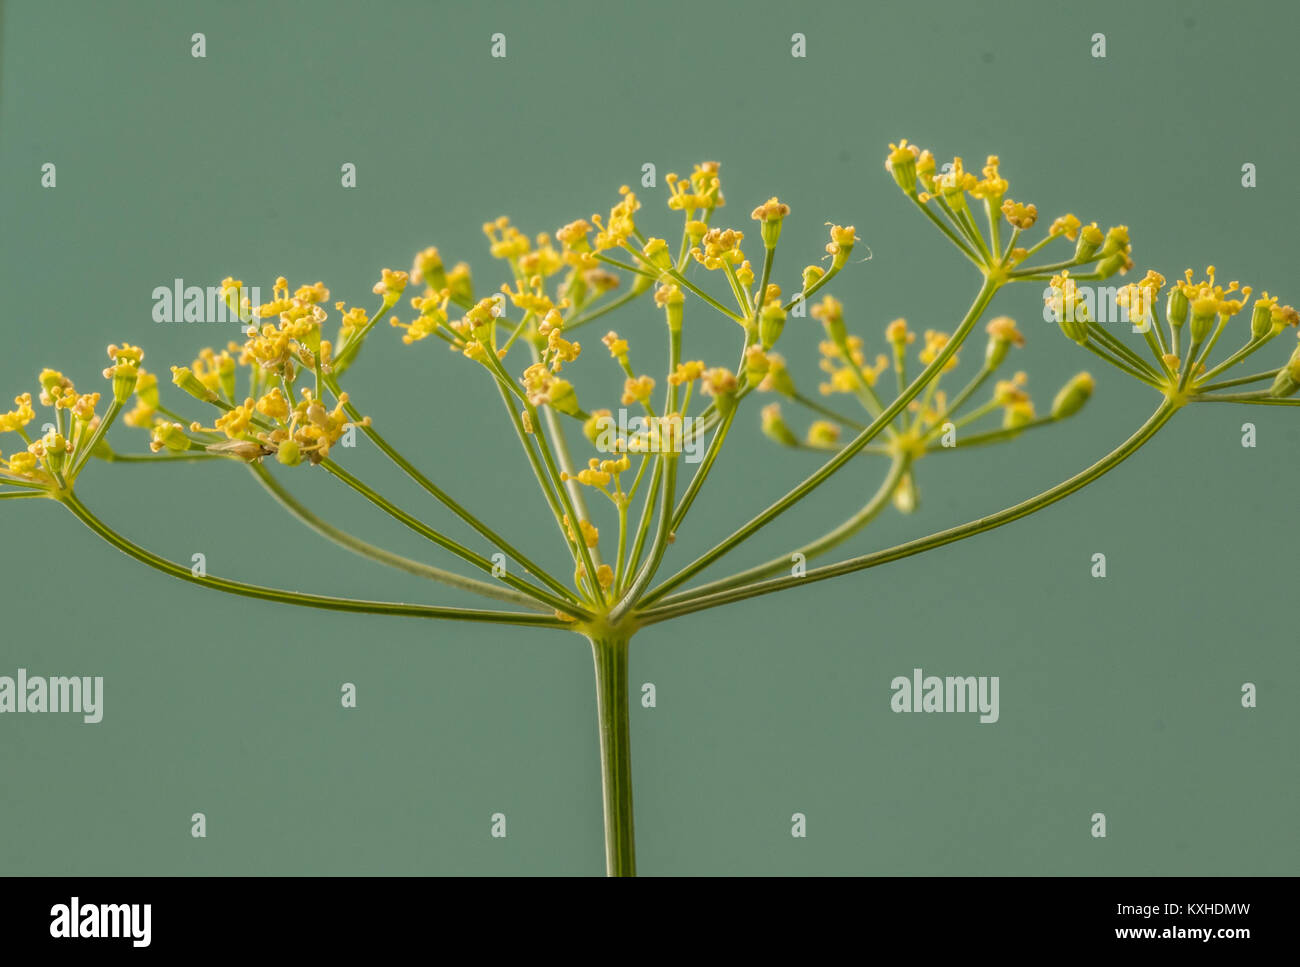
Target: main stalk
[(610, 654)]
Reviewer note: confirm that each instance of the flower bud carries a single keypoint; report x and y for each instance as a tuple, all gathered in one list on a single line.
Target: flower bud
[(169, 435), (1176, 308), (564, 399), (906, 497), (771, 320), (1204, 312), (775, 427), (1072, 396), (1288, 378), (770, 214), (185, 379), (1261, 318), (1002, 333), (1119, 262), (1090, 239), (901, 163), (289, 453)]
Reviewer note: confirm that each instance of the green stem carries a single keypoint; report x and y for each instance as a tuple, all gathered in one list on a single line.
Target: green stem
[(301, 599), (445, 499), (610, 652), (827, 542), (447, 544), (689, 602), (365, 549), (850, 450)]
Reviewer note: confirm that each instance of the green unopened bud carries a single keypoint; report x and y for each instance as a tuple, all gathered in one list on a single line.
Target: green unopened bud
[(810, 276), (906, 497), (289, 453), (125, 376), (1288, 378), (185, 379), (775, 427), (1176, 308), (564, 399), (595, 425), (657, 254), (778, 377), (901, 163), (1072, 396), (771, 321), (769, 215), (428, 269), (1073, 319), (1116, 241), (1261, 320), (1119, 262), (55, 447), (671, 298), (170, 435), (1204, 312), (1002, 333), (1090, 240)]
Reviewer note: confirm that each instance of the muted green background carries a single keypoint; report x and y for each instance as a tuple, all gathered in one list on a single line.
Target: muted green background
[(1118, 695)]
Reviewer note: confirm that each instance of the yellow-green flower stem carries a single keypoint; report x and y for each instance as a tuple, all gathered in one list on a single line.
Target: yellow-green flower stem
[(1118, 347), (1261, 397), (738, 293), (301, 599), (539, 472), (188, 457), (1240, 381), (446, 543), (813, 289), (866, 395), (553, 473), (383, 556), (1237, 357), (1155, 342), (344, 358), (668, 493), (991, 436), (592, 314), (953, 237), (655, 272), (610, 654), (23, 493), (445, 499), (769, 258), (688, 602), (84, 451), (697, 480), (827, 412), (827, 542), (647, 515), (966, 392), (1103, 352), (1187, 365), (987, 290), (565, 459)]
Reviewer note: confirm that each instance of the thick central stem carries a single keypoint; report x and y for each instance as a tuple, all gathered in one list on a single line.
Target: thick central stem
[(610, 654)]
